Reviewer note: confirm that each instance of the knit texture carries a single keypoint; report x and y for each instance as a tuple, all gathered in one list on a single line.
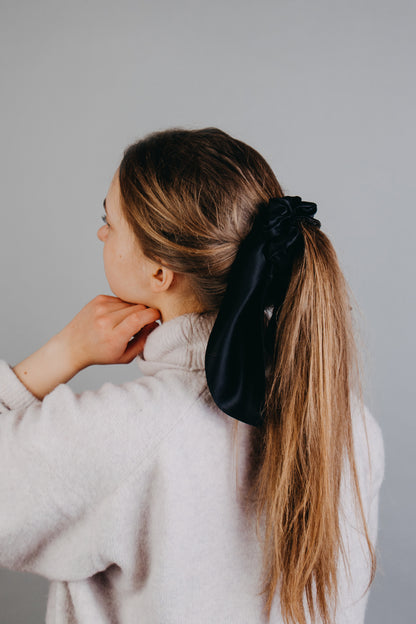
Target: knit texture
[(127, 498)]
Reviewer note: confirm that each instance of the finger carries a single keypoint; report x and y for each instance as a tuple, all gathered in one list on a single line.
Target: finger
[(111, 305), (118, 315), (136, 345), (135, 321)]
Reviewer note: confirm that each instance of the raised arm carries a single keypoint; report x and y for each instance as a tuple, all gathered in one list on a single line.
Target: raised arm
[(101, 333)]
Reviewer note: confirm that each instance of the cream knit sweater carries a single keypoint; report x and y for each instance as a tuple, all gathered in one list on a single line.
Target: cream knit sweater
[(126, 498)]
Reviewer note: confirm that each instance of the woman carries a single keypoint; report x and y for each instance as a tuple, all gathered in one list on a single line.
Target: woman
[(236, 480)]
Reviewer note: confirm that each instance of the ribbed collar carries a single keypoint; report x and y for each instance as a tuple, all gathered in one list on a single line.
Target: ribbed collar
[(178, 343)]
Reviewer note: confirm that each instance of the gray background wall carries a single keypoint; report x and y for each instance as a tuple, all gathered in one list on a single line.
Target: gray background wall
[(323, 89)]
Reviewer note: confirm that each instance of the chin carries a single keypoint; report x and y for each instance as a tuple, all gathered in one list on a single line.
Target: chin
[(126, 297), (120, 294)]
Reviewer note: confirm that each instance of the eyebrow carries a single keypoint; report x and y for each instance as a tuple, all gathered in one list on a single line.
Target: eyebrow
[(105, 207)]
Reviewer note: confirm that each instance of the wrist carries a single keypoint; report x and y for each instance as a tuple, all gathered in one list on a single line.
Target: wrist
[(63, 344), (52, 364)]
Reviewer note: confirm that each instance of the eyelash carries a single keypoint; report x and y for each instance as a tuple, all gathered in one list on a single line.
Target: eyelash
[(104, 218)]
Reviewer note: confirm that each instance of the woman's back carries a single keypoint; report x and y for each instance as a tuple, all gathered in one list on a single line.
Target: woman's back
[(173, 539)]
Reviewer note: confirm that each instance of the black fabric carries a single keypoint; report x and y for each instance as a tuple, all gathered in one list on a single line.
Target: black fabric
[(239, 344)]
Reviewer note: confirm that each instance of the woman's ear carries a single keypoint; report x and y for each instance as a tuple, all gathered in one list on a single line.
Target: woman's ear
[(161, 279)]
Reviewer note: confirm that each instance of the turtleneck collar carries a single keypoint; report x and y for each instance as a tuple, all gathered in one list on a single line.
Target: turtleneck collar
[(178, 343)]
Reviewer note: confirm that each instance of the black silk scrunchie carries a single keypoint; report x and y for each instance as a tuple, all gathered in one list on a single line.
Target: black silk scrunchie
[(239, 346)]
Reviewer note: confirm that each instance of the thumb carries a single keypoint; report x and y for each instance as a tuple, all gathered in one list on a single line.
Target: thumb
[(136, 345)]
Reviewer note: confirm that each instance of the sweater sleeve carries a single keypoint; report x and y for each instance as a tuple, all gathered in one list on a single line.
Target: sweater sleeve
[(59, 459)]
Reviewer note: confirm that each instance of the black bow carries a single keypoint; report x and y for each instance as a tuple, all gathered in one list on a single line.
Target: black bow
[(239, 346)]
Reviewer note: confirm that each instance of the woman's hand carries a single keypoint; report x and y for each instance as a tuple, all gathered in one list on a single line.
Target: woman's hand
[(108, 331)]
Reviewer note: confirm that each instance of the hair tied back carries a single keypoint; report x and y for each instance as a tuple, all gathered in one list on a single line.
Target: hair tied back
[(237, 348)]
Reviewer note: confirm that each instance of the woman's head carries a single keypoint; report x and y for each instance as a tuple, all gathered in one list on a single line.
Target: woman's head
[(132, 276), (190, 197)]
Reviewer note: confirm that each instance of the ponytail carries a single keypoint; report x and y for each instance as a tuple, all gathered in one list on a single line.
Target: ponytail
[(306, 438)]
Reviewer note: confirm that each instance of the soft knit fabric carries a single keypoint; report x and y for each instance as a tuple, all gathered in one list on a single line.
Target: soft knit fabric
[(126, 498)]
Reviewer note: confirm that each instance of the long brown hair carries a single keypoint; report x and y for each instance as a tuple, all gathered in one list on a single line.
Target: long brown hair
[(190, 197)]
